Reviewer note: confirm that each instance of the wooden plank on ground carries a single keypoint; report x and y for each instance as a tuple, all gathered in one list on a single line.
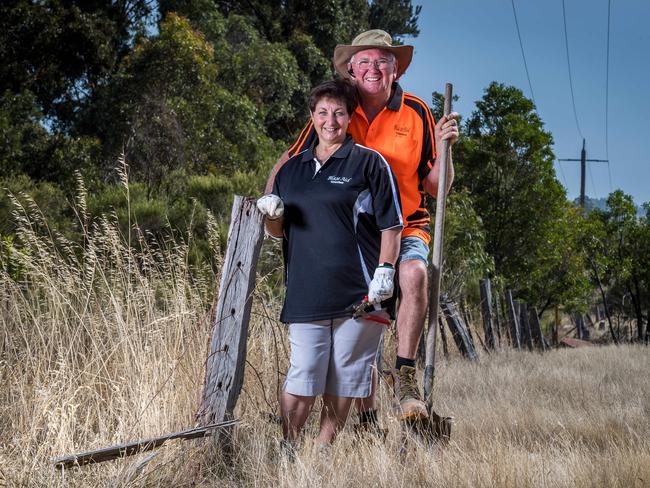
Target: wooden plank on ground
[(225, 365), (135, 447)]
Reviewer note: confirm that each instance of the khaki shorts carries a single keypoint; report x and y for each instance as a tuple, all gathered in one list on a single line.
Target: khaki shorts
[(335, 357)]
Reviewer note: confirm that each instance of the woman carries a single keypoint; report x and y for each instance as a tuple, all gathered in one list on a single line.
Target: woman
[(337, 207)]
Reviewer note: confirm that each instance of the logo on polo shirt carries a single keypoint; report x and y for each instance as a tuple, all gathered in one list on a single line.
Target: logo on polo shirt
[(338, 180), (402, 130)]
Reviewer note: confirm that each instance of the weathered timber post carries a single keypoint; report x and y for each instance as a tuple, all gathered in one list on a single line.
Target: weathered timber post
[(458, 330), (497, 318), (556, 327), (224, 373), (581, 328), (600, 316), (465, 319), (443, 336), (536, 330), (486, 311), (514, 323), (524, 326), (578, 325), (585, 331)]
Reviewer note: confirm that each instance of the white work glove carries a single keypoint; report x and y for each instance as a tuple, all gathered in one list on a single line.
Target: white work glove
[(271, 206), (381, 286)]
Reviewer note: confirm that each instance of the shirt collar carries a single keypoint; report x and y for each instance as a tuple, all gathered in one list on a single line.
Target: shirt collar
[(395, 102), (341, 153)]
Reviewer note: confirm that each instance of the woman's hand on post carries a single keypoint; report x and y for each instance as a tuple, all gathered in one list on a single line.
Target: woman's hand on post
[(271, 206), (381, 286)]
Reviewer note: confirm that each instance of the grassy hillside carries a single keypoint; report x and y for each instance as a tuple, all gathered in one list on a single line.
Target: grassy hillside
[(101, 345)]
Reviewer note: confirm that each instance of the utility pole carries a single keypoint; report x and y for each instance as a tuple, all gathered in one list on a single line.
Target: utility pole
[(583, 170)]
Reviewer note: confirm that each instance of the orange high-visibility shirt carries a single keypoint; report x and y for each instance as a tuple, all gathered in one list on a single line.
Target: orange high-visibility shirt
[(403, 133)]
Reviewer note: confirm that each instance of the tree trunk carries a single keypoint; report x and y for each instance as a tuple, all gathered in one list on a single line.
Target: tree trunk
[(594, 269), (636, 302)]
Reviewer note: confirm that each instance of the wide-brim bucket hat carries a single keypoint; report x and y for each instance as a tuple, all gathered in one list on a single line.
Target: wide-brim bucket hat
[(372, 39)]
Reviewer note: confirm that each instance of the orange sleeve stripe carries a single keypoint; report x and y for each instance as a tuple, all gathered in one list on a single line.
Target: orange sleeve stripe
[(301, 139), (429, 116)]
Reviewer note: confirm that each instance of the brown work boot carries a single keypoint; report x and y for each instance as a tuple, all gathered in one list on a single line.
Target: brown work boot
[(411, 407)]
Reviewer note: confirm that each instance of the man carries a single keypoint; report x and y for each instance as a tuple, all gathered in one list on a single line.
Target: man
[(401, 128)]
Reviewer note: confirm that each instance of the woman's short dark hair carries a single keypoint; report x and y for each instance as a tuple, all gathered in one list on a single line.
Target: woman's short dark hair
[(340, 90)]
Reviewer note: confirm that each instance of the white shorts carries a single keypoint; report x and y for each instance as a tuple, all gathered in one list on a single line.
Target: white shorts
[(333, 356)]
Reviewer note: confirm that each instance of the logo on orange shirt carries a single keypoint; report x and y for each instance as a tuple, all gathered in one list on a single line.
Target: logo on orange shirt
[(402, 130)]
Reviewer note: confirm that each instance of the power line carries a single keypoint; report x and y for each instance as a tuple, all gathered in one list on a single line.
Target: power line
[(530, 85), (566, 185), (521, 45), (609, 172), (566, 43)]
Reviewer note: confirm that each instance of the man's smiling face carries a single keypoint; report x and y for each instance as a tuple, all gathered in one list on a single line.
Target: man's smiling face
[(374, 71)]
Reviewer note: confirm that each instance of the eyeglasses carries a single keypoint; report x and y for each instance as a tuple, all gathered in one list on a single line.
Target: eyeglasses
[(365, 64)]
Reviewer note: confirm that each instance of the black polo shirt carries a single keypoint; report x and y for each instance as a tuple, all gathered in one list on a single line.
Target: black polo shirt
[(333, 220)]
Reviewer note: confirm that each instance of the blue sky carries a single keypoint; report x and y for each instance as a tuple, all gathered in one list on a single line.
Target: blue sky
[(473, 42)]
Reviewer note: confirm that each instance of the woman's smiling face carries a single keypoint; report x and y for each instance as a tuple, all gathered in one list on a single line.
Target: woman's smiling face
[(331, 120)]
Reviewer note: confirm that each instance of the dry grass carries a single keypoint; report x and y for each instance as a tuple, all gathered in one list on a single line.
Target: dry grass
[(102, 345)]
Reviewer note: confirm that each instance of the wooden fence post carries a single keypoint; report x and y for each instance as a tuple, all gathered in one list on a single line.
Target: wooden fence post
[(224, 372), (497, 318), (536, 330), (556, 326), (443, 337), (458, 330), (581, 328), (486, 311), (514, 322), (524, 326)]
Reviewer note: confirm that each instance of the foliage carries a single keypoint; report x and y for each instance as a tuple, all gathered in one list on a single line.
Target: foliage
[(505, 161), (266, 73), (618, 245), (167, 111), (395, 17), (560, 275), (274, 52), (50, 200), (61, 51), (31, 150), (465, 259)]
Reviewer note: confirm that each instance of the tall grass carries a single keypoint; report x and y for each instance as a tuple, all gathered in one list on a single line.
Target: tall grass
[(102, 344)]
